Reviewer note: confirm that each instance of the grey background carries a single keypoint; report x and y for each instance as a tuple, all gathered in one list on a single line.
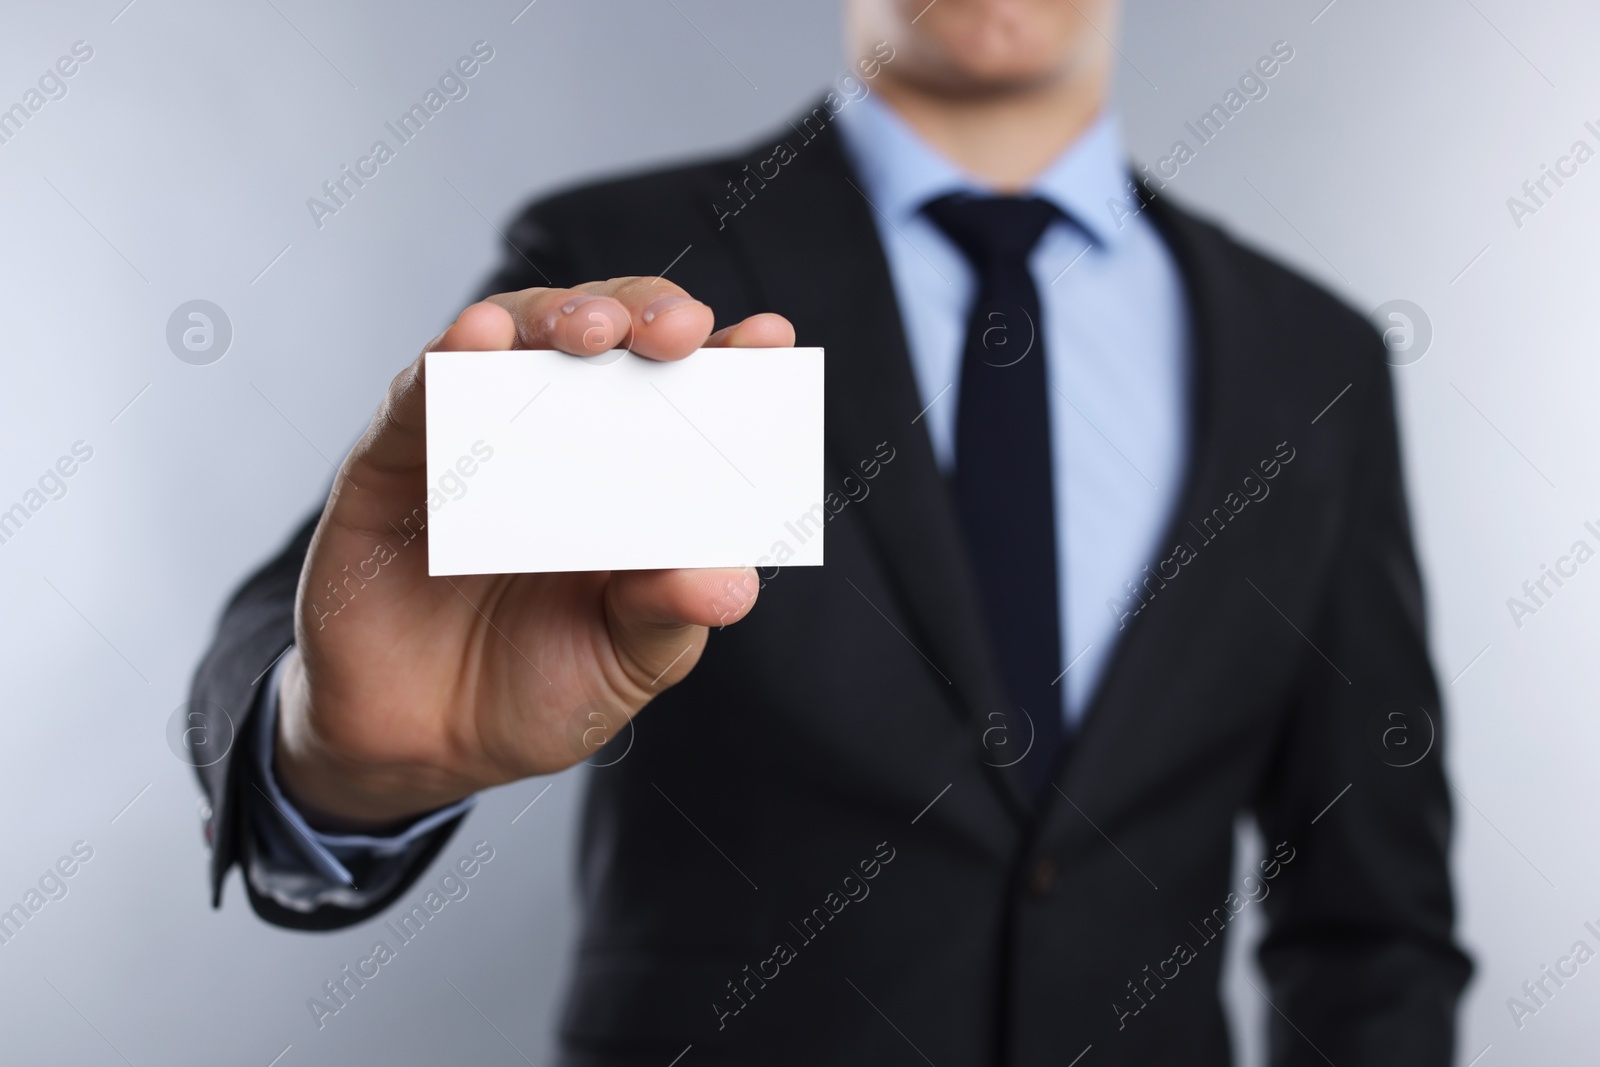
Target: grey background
[(177, 168)]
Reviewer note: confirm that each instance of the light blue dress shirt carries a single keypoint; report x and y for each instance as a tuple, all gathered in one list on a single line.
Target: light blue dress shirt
[(1116, 346), (1115, 334)]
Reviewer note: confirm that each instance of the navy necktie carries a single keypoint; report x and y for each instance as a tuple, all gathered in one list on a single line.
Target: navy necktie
[(1003, 484)]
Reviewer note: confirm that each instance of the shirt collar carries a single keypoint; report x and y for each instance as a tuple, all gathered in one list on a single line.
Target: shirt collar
[(901, 172)]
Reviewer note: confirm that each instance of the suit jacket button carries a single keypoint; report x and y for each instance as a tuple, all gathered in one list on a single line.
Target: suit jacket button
[(1043, 877)]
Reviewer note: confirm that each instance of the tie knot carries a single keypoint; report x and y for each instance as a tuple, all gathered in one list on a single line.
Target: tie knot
[(992, 231)]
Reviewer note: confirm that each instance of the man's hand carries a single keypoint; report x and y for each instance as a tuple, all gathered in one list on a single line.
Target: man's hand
[(420, 690)]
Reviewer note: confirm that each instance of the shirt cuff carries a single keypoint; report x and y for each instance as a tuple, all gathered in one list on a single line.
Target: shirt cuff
[(328, 853)]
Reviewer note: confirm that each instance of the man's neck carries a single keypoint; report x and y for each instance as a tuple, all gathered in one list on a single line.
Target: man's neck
[(1003, 140)]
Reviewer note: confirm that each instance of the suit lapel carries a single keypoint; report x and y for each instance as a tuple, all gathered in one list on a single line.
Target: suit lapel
[(1129, 723), (811, 247)]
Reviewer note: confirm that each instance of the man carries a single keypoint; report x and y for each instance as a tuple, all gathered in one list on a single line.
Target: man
[(1116, 548)]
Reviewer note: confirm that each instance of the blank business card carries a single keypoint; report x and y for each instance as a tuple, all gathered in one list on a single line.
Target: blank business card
[(542, 461)]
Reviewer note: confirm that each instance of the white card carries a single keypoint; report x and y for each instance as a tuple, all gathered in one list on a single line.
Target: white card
[(541, 461)]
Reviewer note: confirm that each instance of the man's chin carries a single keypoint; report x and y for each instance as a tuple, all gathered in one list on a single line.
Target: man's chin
[(981, 82)]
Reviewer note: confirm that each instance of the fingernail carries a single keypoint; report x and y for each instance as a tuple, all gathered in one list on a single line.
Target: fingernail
[(664, 303), (577, 302)]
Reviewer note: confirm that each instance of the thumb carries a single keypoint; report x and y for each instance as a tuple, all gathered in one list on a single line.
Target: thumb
[(659, 619)]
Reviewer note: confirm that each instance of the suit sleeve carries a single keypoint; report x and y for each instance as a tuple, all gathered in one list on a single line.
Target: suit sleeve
[(296, 867), (1359, 955), (257, 627)]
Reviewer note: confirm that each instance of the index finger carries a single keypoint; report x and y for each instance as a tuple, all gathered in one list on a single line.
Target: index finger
[(651, 317)]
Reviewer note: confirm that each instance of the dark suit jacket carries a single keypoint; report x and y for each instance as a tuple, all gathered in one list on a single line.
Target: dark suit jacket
[(844, 729)]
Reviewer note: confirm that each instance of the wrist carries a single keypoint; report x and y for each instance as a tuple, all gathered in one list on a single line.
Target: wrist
[(338, 791)]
